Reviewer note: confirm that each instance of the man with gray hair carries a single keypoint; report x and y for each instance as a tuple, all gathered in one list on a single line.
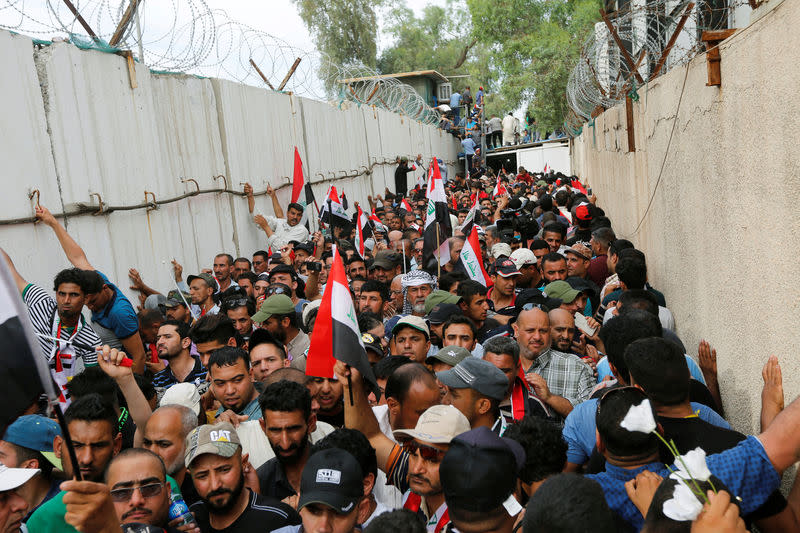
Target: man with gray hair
[(520, 398), (417, 285), (165, 435)]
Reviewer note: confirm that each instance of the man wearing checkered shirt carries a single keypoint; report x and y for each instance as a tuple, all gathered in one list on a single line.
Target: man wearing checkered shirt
[(561, 380)]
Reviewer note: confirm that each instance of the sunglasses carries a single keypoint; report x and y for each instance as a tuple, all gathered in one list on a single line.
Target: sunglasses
[(275, 290), (233, 303), (428, 453), (147, 491), (528, 307)]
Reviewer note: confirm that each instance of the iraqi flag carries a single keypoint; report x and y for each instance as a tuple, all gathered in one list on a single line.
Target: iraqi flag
[(546, 168), (297, 177), (436, 250), (333, 212), (469, 220), (24, 373), (405, 206), (499, 189), (336, 335), (472, 259), (576, 184), (373, 217), (363, 221)]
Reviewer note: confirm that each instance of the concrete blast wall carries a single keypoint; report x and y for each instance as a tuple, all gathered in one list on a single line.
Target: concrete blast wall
[(723, 232), (71, 125)]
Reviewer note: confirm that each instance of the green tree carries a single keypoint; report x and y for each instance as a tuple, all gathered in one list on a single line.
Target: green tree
[(344, 30), (535, 45), (441, 39)]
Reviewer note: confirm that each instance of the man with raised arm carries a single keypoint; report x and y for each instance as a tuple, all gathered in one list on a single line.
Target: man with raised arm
[(113, 316)]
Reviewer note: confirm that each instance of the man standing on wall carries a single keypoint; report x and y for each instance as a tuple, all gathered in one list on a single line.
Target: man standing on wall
[(280, 231)]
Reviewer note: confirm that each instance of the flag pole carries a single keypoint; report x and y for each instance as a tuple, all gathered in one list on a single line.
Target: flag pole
[(180, 293), (403, 246), (62, 422), (438, 249)]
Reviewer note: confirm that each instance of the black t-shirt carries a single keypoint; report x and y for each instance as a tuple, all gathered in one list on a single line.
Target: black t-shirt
[(488, 325), (261, 514), (336, 420), (189, 493), (272, 480)]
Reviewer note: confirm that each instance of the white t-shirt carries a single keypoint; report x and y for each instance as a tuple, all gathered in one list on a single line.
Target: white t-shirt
[(379, 510), (285, 233)]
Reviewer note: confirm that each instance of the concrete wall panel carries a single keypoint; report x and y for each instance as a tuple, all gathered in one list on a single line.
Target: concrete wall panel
[(72, 113), (723, 224)]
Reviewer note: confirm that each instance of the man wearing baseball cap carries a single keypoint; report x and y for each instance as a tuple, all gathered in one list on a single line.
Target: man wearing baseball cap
[(412, 467), (214, 459), (331, 494), (278, 316), (411, 338), (528, 266), (13, 506), (476, 388), (176, 307), (569, 297), (201, 289), (502, 295), (479, 475), (28, 443)]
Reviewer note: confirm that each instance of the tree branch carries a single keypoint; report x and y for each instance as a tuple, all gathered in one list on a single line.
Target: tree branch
[(464, 52)]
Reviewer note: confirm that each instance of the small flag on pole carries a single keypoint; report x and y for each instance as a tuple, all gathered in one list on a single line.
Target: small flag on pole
[(437, 223), (363, 222), (297, 177), (472, 259), (332, 211)]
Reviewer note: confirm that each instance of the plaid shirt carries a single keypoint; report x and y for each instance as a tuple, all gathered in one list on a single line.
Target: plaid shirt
[(744, 469), (566, 375)]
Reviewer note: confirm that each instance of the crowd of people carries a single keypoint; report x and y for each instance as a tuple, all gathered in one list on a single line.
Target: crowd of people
[(464, 117), (547, 391)]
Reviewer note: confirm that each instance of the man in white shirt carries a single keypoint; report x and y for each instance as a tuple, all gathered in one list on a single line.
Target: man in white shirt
[(280, 231)]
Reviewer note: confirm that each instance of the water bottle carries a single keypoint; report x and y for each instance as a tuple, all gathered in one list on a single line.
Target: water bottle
[(179, 509)]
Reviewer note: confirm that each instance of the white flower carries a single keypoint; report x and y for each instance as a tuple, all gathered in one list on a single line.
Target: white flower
[(640, 418), (684, 505), (692, 466)]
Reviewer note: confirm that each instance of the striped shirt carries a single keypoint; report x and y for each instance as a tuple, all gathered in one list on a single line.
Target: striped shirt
[(165, 378), (43, 311)]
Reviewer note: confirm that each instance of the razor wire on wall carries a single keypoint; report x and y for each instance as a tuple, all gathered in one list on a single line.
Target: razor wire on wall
[(649, 37), (195, 39)]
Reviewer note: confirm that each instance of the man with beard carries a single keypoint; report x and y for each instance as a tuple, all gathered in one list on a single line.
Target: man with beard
[(554, 267), (165, 435), (92, 426), (240, 266), (229, 370), (174, 345), (562, 330), (139, 490), (417, 285), (214, 458), (239, 309), (413, 467), (286, 421)]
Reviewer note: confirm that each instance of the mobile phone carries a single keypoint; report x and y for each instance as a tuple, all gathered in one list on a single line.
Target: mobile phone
[(314, 266), (589, 191), (582, 324)]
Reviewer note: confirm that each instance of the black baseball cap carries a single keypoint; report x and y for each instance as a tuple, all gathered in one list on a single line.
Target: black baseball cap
[(479, 471), (284, 269), (441, 312), (506, 268), (333, 478)]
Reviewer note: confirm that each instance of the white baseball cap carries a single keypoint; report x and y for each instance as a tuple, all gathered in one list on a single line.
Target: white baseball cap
[(439, 424), (523, 257), (501, 249), (184, 394), (11, 478)]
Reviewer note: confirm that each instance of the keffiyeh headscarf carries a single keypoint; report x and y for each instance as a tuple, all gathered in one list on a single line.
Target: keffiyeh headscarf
[(415, 278)]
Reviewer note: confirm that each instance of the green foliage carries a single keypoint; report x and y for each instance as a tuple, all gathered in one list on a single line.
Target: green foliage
[(440, 40), (535, 44), (344, 30)]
